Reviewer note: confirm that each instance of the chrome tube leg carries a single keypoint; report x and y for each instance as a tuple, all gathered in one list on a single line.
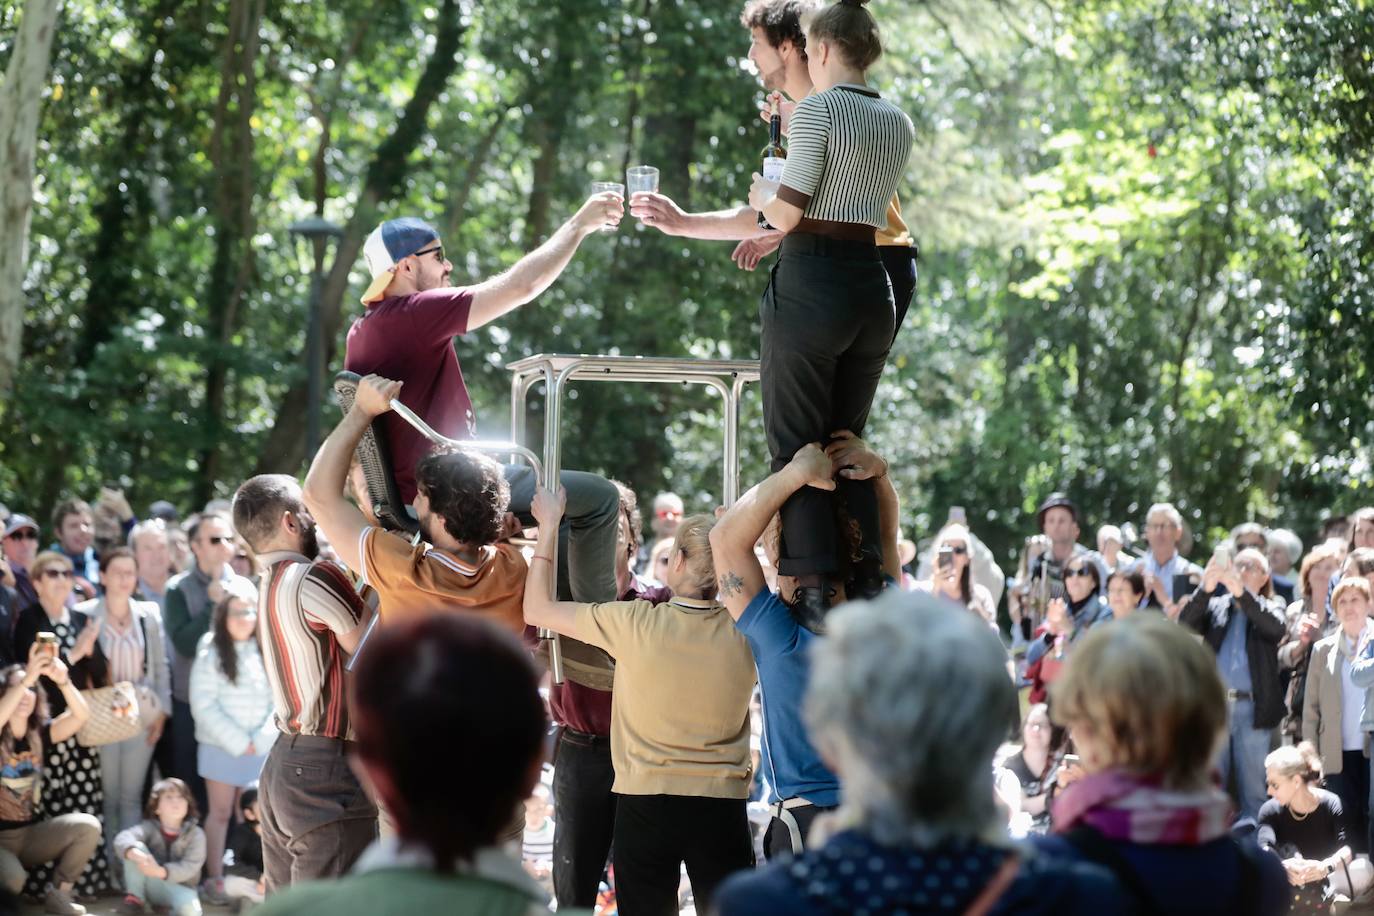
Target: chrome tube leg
[(732, 445), (553, 402)]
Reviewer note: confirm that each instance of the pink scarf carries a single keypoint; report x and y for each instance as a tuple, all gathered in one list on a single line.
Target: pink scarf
[(1128, 807)]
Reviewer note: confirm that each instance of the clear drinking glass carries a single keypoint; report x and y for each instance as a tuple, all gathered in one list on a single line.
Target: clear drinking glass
[(600, 187), (642, 179)]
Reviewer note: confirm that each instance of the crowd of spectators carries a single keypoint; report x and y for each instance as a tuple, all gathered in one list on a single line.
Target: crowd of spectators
[(891, 763)]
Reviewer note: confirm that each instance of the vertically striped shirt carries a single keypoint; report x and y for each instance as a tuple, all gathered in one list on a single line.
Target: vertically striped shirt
[(123, 650), (303, 608), (846, 153)]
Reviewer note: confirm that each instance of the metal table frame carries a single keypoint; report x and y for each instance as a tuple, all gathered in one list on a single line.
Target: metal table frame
[(726, 377)]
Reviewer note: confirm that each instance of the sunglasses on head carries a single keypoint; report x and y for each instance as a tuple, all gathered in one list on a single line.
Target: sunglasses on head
[(52, 573), (24, 534), (1079, 571)]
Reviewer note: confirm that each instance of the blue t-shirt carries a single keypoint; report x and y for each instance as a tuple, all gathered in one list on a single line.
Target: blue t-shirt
[(1235, 663), (780, 649)]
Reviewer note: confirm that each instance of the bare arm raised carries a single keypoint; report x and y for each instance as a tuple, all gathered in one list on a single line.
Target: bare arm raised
[(536, 271)]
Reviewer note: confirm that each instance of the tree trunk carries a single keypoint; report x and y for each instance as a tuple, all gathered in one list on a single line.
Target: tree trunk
[(284, 450), (231, 152), (20, 95)]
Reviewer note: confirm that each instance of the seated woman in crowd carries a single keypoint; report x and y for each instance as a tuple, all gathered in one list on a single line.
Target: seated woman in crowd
[(1035, 766), (909, 703), (28, 837), (1305, 827), (163, 855), (131, 639), (1307, 622), (1336, 715), (231, 701), (464, 684), (679, 719), (71, 776), (1066, 621), (1125, 591), (1147, 711), (952, 578)]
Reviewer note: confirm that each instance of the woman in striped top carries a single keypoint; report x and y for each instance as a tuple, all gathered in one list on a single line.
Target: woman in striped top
[(131, 639), (827, 314)]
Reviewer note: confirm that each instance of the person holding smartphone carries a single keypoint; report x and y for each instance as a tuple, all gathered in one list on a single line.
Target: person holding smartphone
[(1242, 621), (952, 575)]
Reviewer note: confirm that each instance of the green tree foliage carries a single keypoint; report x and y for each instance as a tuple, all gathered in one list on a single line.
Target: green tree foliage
[(1144, 231)]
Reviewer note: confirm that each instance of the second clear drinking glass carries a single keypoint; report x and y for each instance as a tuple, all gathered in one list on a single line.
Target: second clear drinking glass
[(642, 179)]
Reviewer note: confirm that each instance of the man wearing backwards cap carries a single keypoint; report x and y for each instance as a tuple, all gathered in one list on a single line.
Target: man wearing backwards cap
[(407, 334)]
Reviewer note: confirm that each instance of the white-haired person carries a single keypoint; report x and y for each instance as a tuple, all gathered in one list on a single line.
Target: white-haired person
[(1336, 716), (951, 577), (679, 718), (1240, 618), (1147, 711), (1305, 827), (1110, 542), (908, 703)]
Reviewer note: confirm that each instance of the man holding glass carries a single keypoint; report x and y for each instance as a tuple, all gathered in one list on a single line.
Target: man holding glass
[(778, 51), (406, 334)]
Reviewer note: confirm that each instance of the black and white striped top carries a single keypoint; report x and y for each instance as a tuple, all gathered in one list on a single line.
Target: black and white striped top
[(846, 154)]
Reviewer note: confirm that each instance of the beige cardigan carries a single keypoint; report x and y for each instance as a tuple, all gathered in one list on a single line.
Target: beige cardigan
[(1321, 710)]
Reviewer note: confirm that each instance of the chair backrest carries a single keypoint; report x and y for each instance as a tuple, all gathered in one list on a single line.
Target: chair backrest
[(375, 457)]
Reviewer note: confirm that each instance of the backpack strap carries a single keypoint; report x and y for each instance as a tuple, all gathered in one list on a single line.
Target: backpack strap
[(994, 889), (143, 625)]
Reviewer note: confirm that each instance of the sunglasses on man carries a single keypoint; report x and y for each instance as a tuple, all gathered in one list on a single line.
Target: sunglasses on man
[(24, 534), (437, 250)]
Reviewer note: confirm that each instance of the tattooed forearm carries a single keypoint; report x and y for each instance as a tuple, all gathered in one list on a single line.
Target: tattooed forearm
[(731, 585)]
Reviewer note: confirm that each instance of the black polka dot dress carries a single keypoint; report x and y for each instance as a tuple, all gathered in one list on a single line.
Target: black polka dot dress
[(71, 784)]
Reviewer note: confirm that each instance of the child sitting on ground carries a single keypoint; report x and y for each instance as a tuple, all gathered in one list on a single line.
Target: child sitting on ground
[(243, 880), (163, 855)]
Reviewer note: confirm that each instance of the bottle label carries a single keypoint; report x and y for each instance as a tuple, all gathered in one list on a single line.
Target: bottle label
[(772, 168)]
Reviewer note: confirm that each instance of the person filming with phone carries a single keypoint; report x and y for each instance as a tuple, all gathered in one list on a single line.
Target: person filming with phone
[(1240, 618), (952, 576)]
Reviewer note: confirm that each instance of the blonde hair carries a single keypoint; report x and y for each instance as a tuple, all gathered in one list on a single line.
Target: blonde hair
[(1318, 554), (1302, 760), (49, 558), (693, 539), (1351, 584), (1150, 695)]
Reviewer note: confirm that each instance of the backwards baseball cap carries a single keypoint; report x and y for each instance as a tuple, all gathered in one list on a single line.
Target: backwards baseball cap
[(387, 245), (18, 522)]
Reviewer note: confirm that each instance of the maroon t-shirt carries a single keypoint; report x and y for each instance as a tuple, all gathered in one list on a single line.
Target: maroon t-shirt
[(586, 709), (410, 339)]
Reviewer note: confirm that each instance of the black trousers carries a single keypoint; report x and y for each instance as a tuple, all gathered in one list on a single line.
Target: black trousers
[(900, 263), (827, 318), (655, 834), (1351, 785), (582, 831), (777, 839)]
